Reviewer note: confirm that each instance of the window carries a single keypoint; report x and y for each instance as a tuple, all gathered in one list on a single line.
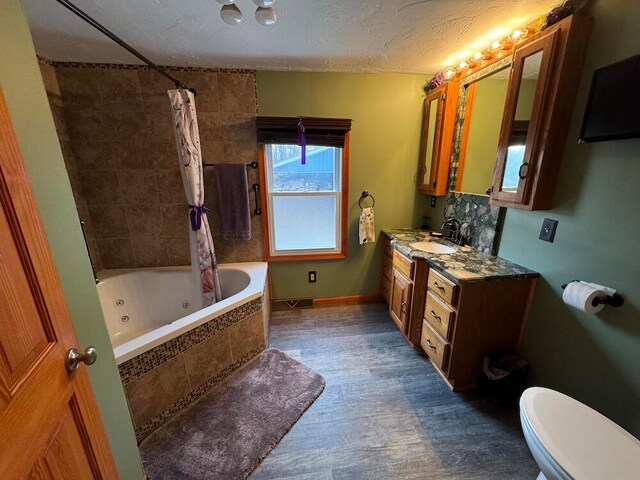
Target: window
[(304, 204)]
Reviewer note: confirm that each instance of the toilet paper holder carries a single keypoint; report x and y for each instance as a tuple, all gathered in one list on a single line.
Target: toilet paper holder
[(614, 300)]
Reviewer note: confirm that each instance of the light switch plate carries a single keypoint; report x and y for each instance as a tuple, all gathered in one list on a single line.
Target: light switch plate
[(548, 230), (312, 277)]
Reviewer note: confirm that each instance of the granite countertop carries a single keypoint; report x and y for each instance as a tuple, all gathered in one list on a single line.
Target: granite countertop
[(466, 264)]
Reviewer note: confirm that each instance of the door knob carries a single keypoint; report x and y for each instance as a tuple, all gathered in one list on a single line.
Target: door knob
[(74, 357)]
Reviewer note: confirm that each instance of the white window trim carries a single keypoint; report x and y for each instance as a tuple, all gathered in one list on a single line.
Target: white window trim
[(337, 194)]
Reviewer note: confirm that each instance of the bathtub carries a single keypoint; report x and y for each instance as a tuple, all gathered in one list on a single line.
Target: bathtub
[(147, 307)]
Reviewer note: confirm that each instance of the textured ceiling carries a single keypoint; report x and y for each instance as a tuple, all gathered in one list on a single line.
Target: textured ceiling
[(311, 35)]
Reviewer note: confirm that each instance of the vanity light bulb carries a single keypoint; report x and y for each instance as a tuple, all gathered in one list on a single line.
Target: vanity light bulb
[(448, 73), (462, 65), (495, 44), (477, 55), (231, 14), (516, 34)]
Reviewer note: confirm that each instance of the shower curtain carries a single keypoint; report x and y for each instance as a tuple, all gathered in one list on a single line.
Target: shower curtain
[(203, 256)]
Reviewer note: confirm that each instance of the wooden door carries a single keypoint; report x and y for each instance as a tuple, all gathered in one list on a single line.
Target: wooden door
[(50, 427), (399, 305)]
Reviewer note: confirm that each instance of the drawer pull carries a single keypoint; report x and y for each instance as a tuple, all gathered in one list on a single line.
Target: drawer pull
[(435, 284), (403, 307), (437, 317), (431, 345)]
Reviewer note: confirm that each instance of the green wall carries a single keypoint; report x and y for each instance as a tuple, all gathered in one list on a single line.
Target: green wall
[(387, 114), (24, 91), (594, 358)]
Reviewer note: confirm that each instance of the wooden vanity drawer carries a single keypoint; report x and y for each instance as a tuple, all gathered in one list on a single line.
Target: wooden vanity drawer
[(435, 348), (387, 248), (387, 267), (444, 288), (403, 264), (439, 316)]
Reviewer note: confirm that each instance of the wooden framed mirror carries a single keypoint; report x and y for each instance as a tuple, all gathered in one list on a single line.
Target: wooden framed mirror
[(543, 77), (437, 135), (525, 108), (482, 100)]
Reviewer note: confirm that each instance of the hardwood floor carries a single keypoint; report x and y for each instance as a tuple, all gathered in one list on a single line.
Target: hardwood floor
[(385, 413)]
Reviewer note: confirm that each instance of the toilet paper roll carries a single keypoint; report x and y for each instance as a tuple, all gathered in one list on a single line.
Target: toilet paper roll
[(580, 295)]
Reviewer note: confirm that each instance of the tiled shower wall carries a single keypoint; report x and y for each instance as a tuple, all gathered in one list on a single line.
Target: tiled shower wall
[(57, 109), (115, 125)]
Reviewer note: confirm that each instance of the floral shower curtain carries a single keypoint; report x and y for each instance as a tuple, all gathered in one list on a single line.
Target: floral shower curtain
[(203, 256)]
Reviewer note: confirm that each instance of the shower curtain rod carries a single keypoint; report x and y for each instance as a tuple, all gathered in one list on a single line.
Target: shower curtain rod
[(101, 28)]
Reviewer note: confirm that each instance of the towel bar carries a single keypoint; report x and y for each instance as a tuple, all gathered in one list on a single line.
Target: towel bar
[(253, 164), (256, 189)]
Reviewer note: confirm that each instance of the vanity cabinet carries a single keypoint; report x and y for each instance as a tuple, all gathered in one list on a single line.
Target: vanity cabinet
[(464, 321), (400, 303), (456, 315), (529, 153), (437, 138), (401, 290)]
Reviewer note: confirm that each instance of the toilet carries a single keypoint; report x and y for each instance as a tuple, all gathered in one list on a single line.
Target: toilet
[(569, 440)]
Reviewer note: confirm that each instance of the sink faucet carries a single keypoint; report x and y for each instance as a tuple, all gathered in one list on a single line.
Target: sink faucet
[(452, 230)]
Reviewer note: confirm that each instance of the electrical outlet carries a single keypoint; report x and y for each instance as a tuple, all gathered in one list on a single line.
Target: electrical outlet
[(548, 230), (312, 277), (433, 202)]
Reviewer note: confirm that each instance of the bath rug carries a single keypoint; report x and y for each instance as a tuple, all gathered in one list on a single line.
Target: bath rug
[(229, 431)]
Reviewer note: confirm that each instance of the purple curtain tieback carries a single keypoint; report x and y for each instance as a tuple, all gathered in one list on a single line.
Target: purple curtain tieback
[(195, 214), (302, 142)]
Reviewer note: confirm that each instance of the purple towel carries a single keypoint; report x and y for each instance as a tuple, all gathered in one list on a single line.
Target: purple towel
[(232, 191)]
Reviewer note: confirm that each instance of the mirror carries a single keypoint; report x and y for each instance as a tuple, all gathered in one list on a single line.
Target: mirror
[(486, 94), (432, 109), (481, 131), (524, 107)]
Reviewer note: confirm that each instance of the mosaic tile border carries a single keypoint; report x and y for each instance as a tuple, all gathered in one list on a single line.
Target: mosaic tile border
[(131, 66), (145, 430), (147, 361)]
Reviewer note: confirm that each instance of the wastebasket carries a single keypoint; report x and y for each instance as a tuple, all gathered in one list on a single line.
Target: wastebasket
[(503, 379)]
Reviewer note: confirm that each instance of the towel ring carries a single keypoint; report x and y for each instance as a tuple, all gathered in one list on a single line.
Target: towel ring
[(364, 195)]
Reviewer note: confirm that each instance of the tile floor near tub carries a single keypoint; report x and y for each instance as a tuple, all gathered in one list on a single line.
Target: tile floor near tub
[(385, 413)]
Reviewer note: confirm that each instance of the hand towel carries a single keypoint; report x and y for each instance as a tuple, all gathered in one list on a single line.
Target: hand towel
[(367, 232), (232, 193)]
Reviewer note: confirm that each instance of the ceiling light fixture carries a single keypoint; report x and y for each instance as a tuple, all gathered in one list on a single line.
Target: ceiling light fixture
[(230, 13), (266, 16)]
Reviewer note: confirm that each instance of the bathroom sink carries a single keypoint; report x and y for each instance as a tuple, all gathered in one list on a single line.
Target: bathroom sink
[(433, 247)]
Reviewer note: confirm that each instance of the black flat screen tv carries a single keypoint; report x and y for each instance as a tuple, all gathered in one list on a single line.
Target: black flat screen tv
[(613, 108)]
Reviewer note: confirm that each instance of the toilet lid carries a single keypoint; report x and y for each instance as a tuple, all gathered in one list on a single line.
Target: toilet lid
[(586, 444)]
